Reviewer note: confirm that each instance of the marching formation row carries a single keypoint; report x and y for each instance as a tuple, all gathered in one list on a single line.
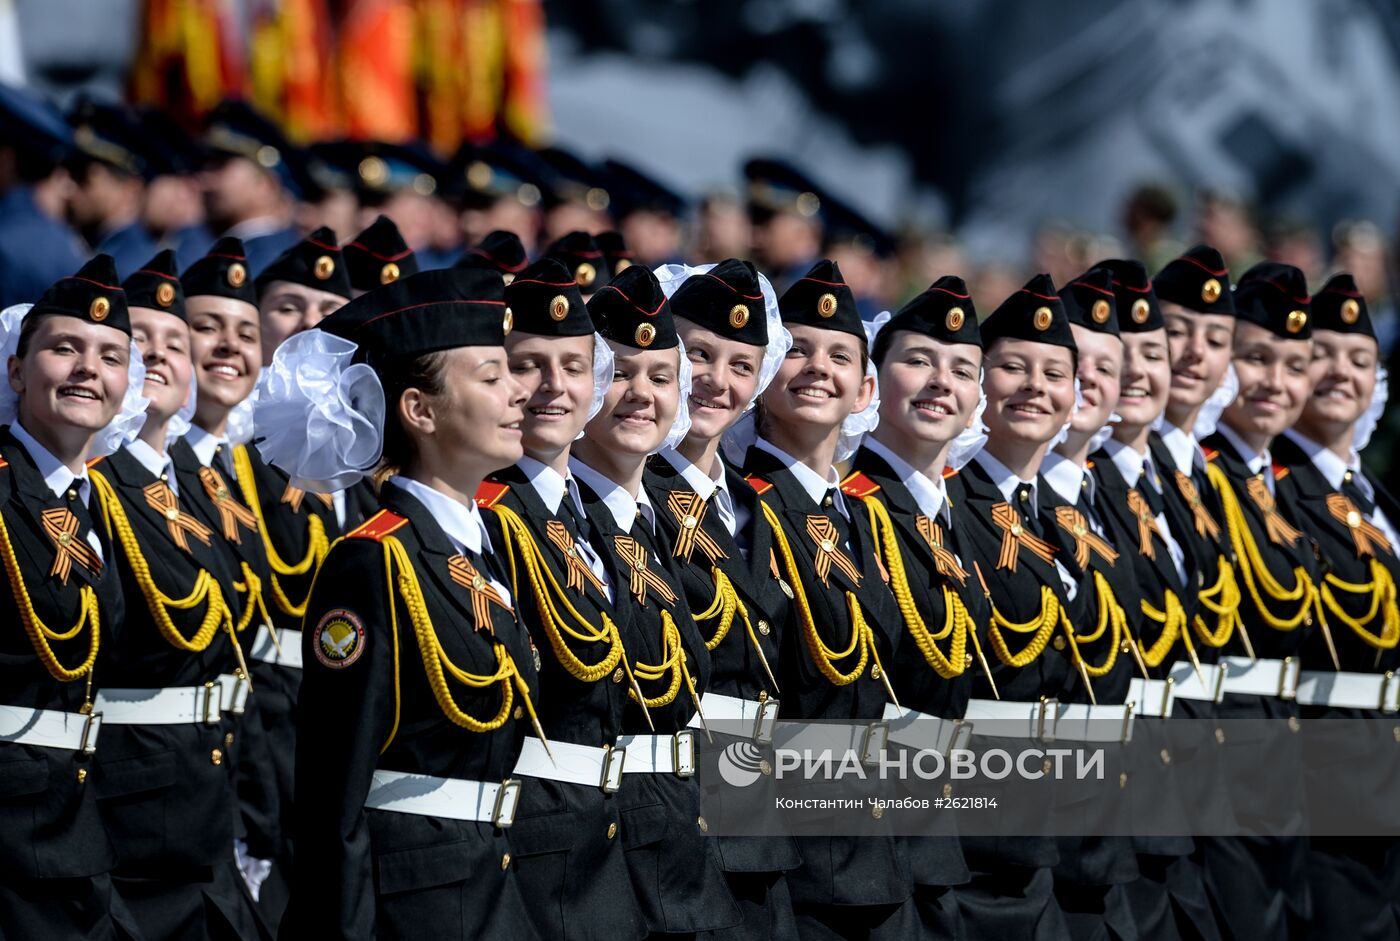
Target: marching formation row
[(351, 601)]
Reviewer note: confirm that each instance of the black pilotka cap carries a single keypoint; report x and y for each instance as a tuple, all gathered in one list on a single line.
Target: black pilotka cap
[(222, 272), (820, 298), (1340, 307), (943, 312), (156, 285), (378, 256), (314, 262), (1089, 301), (616, 255), (1138, 310), (727, 300), (544, 300), (500, 251), (1275, 296), (577, 252), (93, 294), (1035, 313), (424, 313), (633, 310), (1197, 280)]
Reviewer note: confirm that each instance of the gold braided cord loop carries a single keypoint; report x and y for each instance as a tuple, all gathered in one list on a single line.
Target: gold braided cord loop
[(823, 657), (206, 588), (955, 617), (557, 613), (1223, 601), (1253, 567), (317, 543), (673, 664), (439, 666), (251, 589), (1041, 627), (1382, 590), (723, 606), (89, 616), (1111, 619), (1172, 617)]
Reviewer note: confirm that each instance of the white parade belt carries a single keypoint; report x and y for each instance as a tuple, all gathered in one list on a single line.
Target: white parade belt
[(1050, 720), (919, 730), (173, 705), (1350, 690), (1209, 686), (50, 728), (266, 651), (451, 798), (1261, 677), (1153, 697), (659, 754), (731, 715), (572, 764)]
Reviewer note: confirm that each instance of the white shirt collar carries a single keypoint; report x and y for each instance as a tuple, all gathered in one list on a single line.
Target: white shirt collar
[(623, 505), (1066, 478), (1258, 461), (157, 462), (55, 473), (702, 483), (1001, 475), (204, 444), (1332, 467), (1181, 445), (809, 480), (930, 495), (548, 483), (1128, 461), (461, 522)]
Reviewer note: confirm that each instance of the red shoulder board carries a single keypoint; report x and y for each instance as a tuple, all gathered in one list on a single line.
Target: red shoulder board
[(1210, 453), (949, 472), (378, 526), (1280, 472), (759, 485), (490, 493), (859, 486)]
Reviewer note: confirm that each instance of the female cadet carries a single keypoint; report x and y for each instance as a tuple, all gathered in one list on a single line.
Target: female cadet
[(843, 628), (1262, 880), (1353, 518), (674, 867), (221, 307), (378, 256), (164, 776), (727, 318), (1030, 362), (414, 663), (569, 858), (929, 360), (68, 374), (1135, 488)]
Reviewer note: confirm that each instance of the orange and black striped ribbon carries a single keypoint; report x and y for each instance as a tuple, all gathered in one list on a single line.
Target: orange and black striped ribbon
[(1085, 539), (943, 560), (1278, 528), (634, 555), (162, 499), (1146, 523), (61, 526), (483, 593), (577, 569), (690, 510), (1205, 523), (231, 512), (1364, 533), (293, 496), (1015, 537), (824, 534)]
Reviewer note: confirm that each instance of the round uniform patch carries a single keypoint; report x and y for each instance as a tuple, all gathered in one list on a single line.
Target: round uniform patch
[(826, 305), (508, 322), (339, 639), (585, 274), (738, 315), (621, 265), (236, 275), (1351, 311), (645, 334), (558, 307), (1140, 311), (99, 309), (1100, 312), (955, 319), (165, 295), (1042, 318), (324, 267)]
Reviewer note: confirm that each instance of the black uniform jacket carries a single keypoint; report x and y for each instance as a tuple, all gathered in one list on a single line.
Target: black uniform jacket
[(674, 865), (367, 703), (167, 790), (49, 820), (573, 871)]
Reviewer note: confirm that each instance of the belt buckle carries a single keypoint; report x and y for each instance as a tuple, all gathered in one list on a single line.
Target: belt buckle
[(213, 703), (683, 753), (92, 724), (507, 797), (1288, 678), (874, 740), (962, 730), (1221, 669), (1167, 685), (1390, 692), (613, 760), (764, 722), (1052, 707), (1127, 723)]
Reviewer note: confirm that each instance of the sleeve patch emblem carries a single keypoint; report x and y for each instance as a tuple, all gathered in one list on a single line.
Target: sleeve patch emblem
[(339, 639)]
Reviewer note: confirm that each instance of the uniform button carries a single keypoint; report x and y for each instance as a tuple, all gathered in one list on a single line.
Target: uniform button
[(875, 672), (1395, 733), (505, 862), (1125, 647), (947, 790), (228, 740), (216, 757), (764, 766), (1122, 780), (1059, 642), (1045, 766), (1293, 724), (617, 675), (877, 811), (612, 830), (519, 713), (1219, 736), (967, 660), (702, 824), (1166, 756), (82, 775), (763, 628)]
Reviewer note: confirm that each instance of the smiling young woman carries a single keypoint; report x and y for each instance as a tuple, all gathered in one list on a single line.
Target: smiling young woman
[(67, 379)]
